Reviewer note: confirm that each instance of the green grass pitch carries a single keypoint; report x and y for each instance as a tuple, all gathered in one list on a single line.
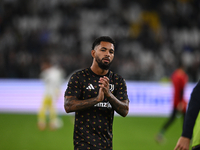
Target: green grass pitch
[(20, 132)]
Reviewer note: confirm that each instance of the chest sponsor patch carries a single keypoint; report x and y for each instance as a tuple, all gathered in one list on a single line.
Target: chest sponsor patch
[(103, 104)]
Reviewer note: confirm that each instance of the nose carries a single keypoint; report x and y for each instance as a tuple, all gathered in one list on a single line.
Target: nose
[(108, 53)]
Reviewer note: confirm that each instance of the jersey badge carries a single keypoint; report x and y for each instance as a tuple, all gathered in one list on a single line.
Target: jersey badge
[(111, 86)]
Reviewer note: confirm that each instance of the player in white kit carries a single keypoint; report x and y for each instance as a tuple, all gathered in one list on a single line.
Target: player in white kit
[(53, 78)]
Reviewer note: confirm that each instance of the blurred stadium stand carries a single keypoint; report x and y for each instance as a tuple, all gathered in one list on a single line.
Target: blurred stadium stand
[(151, 35)]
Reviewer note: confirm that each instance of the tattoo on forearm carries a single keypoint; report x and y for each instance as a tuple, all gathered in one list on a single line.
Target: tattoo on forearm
[(120, 106), (73, 104)]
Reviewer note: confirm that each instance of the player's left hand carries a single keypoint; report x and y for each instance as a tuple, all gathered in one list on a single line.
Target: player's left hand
[(104, 84), (183, 143)]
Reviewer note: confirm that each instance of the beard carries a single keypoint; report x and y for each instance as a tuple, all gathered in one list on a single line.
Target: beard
[(104, 66)]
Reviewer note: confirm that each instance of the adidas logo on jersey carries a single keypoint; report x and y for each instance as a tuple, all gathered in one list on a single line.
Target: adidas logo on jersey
[(90, 87)]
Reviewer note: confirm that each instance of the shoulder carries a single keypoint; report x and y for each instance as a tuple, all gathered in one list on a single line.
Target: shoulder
[(79, 73), (116, 77), (197, 86), (82, 72)]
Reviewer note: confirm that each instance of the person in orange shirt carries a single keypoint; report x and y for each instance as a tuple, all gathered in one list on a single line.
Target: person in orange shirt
[(179, 80)]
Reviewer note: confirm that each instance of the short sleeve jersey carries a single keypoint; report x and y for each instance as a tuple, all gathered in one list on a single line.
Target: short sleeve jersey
[(93, 126)]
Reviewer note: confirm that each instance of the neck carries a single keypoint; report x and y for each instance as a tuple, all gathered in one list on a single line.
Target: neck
[(97, 70)]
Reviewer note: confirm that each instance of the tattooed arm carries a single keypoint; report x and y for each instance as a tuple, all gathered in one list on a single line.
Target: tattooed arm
[(121, 107), (72, 104)]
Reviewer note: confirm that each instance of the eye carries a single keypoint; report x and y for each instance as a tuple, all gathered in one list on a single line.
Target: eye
[(111, 51)]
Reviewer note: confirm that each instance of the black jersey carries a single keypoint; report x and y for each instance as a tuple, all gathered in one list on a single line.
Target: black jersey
[(93, 126)]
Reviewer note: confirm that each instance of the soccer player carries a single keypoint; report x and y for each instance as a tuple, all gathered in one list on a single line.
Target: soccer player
[(53, 78), (94, 94), (191, 124), (179, 80)]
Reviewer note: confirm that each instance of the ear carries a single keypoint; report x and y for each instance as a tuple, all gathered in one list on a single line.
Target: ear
[(93, 53)]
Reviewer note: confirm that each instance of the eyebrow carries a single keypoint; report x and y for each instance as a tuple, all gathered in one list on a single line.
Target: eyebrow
[(106, 48)]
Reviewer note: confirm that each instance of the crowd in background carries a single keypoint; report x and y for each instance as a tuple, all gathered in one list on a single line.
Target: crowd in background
[(151, 36)]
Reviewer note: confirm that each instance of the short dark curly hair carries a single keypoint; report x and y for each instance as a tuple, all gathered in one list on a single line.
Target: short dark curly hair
[(102, 38)]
